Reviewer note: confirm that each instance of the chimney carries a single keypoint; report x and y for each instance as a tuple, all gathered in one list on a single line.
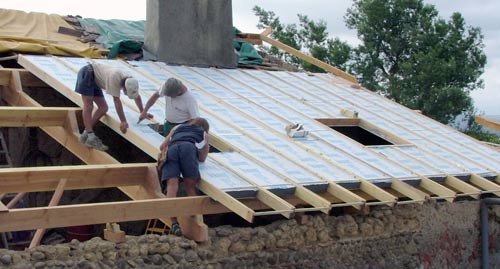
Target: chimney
[(191, 32)]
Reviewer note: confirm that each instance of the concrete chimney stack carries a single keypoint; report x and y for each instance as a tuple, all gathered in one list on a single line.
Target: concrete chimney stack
[(191, 32)]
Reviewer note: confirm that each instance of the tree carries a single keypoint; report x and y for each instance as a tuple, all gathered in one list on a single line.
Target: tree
[(417, 59), (310, 37)]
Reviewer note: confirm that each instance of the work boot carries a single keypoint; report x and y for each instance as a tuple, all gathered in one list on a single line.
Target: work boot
[(95, 142), (176, 229), (84, 136)]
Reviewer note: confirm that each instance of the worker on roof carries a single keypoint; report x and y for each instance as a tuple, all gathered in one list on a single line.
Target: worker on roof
[(185, 145), (180, 104), (91, 81)]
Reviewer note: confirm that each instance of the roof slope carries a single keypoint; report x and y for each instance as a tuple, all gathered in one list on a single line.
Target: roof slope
[(248, 110)]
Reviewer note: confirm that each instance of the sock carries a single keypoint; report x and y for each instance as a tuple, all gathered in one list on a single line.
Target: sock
[(91, 135)]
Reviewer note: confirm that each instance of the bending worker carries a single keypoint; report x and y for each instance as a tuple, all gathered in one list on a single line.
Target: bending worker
[(186, 145), (180, 104), (91, 81)]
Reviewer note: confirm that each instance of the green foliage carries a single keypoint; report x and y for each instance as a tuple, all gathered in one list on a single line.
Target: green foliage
[(309, 37), (417, 59), (407, 53)]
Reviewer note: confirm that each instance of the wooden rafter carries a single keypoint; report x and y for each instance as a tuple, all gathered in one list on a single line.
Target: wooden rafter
[(64, 215), (441, 191), (54, 201), (38, 179), (463, 187), (492, 124), (485, 184), (264, 36), (378, 193), (33, 116), (409, 191)]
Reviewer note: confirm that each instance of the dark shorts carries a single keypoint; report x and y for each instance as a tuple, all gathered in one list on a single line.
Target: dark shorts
[(85, 82), (182, 158)]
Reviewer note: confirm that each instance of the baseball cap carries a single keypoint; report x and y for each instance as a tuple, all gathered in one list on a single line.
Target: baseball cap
[(132, 87)]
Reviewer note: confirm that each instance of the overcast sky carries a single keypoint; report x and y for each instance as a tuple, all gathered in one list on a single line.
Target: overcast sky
[(478, 13)]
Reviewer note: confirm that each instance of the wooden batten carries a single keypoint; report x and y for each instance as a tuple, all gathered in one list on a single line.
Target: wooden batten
[(38, 179), (54, 201), (346, 196), (485, 184), (3, 207), (378, 193), (495, 125), (264, 37), (227, 200), (33, 116), (463, 187), (409, 191), (340, 121), (439, 190)]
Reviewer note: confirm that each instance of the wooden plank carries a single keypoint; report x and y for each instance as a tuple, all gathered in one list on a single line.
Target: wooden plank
[(383, 133), (12, 203), (308, 58), (37, 179), (463, 187), (98, 213), (339, 121), (33, 116), (495, 125), (485, 184), (3, 208), (56, 197), (252, 41), (313, 199), (345, 195), (437, 189), (378, 193), (227, 200), (409, 191)]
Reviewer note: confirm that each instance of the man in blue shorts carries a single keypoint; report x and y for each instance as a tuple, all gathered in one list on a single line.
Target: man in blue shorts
[(186, 145), (91, 81)]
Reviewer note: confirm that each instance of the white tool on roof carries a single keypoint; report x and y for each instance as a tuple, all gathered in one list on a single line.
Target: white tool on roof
[(296, 130)]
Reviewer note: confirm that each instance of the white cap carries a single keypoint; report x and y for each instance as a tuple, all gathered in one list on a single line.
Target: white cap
[(132, 88)]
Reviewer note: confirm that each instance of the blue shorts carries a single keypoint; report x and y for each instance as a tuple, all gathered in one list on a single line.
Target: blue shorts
[(182, 158), (85, 82)]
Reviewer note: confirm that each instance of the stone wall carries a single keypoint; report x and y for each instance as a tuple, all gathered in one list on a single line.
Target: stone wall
[(433, 235)]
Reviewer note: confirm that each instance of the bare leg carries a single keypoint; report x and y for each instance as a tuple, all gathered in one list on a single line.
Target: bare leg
[(172, 188), (88, 106), (102, 109), (190, 186)]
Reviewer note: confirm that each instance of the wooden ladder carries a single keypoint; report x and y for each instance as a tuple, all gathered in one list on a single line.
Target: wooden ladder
[(153, 227)]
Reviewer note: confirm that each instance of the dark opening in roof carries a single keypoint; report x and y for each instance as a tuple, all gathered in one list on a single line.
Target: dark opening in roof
[(361, 135)]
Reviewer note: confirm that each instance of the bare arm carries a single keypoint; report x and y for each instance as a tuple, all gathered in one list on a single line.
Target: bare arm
[(121, 114), (151, 101), (203, 152), (164, 145)]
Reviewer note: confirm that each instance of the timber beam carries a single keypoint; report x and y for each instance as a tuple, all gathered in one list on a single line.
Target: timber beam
[(264, 37), (34, 116), (463, 187), (39, 179)]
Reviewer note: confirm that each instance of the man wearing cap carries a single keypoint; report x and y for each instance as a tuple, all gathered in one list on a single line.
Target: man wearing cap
[(180, 104), (91, 81)]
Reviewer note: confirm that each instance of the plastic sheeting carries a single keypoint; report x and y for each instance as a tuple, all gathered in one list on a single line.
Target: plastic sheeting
[(37, 33), (118, 35)]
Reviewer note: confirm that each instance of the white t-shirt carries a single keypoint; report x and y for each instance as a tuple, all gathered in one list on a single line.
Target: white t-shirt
[(109, 78), (181, 108)]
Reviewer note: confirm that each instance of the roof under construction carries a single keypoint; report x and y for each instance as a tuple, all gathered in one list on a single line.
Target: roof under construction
[(358, 148)]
